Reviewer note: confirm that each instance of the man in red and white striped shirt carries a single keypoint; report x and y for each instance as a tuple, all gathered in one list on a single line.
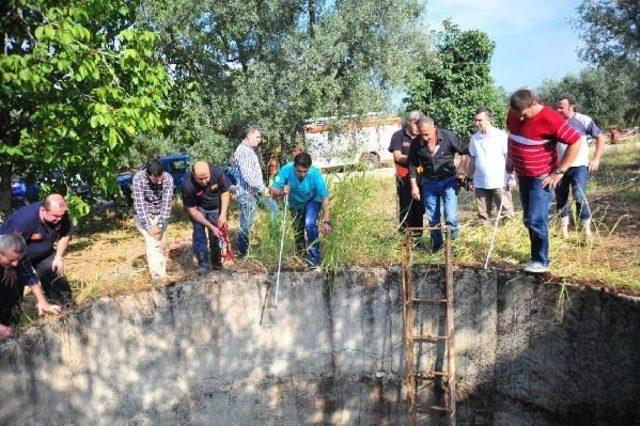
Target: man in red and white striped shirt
[(534, 131)]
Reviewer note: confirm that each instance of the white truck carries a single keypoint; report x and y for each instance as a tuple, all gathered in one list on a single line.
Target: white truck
[(343, 141)]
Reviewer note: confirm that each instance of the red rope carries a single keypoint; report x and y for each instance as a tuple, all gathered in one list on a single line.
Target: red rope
[(226, 254)]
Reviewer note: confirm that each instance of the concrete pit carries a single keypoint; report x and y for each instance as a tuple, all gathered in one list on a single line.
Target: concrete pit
[(331, 353)]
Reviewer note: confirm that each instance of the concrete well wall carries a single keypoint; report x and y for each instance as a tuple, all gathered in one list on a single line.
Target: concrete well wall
[(212, 352)]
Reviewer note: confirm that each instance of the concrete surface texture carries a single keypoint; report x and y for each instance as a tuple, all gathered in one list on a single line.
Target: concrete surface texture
[(331, 353)]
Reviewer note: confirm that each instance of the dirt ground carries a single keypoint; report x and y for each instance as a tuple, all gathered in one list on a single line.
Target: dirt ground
[(107, 256)]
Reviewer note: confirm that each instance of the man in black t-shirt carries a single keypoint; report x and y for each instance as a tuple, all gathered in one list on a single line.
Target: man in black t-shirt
[(42, 224), (206, 196), (411, 212)]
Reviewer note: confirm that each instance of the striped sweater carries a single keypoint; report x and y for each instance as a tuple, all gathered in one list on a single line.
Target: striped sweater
[(532, 141)]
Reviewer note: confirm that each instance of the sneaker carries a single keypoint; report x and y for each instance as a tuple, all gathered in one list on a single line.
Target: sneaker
[(536, 268)]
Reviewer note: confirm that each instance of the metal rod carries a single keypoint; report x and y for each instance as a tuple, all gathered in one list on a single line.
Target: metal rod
[(284, 223), (495, 232), (451, 400)]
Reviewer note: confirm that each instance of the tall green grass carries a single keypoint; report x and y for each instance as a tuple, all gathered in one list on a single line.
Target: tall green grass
[(360, 232)]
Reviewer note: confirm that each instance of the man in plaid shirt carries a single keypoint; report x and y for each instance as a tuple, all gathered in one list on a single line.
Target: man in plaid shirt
[(152, 200), (251, 189)]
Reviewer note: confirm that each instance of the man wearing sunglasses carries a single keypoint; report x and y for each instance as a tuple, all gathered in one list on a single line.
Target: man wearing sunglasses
[(42, 224)]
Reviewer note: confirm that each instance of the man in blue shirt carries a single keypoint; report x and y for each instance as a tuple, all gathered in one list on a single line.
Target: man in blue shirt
[(42, 224), (308, 193)]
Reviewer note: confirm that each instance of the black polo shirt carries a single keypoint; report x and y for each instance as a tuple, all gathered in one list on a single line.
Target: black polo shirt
[(400, 141), (206, 197), (40, 236), (438, 165)]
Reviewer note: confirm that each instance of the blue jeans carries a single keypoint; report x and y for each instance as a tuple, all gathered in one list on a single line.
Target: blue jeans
[(535, 208), (248, 204), (575, 179), (202, 249), (307, 221), (433, 191)]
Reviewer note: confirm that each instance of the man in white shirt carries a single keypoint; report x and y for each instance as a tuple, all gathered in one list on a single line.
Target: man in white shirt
[(576, 176), (488, 153)]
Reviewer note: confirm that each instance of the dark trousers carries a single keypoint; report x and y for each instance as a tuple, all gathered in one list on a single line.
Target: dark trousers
[(55, 287), (205, 244), (10, 296), (411, 212)]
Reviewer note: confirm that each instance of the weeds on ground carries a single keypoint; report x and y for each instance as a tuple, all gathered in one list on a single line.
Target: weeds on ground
[(359, 234)]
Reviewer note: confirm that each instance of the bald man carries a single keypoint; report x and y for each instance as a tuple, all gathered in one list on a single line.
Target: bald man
[(205, 193), (42, 225)]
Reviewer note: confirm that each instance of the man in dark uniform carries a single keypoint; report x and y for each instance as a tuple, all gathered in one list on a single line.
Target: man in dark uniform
[(411, 212), (41, 224), (206, 197), (16, 272)]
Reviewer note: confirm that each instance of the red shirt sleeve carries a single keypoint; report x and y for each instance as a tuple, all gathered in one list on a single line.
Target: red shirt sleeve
[(563, 131)]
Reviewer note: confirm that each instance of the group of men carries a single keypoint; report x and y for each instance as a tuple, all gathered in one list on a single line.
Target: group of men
[(207, 194), (30, 257), (545, 150)]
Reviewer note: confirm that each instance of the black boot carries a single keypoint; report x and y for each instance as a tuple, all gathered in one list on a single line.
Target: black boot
[(216, 254), (203, 261)]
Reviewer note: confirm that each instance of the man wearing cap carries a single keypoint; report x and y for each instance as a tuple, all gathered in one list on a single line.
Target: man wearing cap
[(206, 196)]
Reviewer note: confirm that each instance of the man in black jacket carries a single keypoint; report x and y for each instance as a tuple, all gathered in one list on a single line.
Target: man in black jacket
[(431, 156)]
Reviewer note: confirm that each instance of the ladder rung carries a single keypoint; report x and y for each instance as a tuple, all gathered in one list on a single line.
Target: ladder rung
[(430, 375), (429, 300), (425, 408), (428, 337)]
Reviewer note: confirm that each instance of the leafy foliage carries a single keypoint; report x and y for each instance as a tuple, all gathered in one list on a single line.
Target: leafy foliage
[(451, 83), (277, 63), (78, 83), (607, 100), (611, 31)]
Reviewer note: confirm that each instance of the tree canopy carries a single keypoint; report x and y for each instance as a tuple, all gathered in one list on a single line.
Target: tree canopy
[(78, 80), (277, 63), (607, 100), (452, 82), (611, 32)]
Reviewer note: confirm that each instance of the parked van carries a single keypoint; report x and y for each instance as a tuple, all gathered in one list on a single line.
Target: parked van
[(344, 141)]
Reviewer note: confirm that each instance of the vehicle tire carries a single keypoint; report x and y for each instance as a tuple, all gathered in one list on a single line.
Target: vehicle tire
[(370, 160)]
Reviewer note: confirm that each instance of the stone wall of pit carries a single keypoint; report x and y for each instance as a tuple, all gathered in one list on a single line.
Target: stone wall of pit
[(217, 351)]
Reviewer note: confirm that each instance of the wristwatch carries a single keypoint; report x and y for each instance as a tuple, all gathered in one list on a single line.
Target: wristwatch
[(560, 171)]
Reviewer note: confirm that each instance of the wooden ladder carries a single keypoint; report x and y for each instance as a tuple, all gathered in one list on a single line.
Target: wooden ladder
[(417, 379)]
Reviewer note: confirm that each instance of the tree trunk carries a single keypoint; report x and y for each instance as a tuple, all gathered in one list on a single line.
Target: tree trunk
[(5, 191), (312, 19)]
